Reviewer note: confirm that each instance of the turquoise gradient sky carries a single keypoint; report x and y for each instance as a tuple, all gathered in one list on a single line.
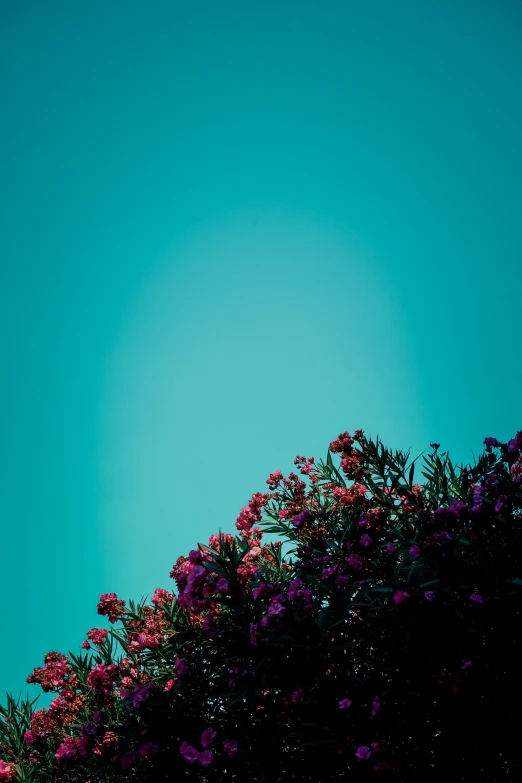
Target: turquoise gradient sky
[(229, 231)]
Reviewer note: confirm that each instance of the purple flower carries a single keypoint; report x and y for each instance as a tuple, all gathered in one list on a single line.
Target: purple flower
[(300, 519), (327, 572), (230, 748), (376, 706), (208, 736), (366, 540), (343, 704), (355, 562), (515, 443), (466, 665), (363, 752), (181, 665), (491, 443), (499, 505), (390, 548), (429, 595), (127, 760), (222, 585), (414, 552), (399, 596), (276, 608), (442, 535), (205, 758), (189, 752), (140, 695), (148, 748), (476, 598)]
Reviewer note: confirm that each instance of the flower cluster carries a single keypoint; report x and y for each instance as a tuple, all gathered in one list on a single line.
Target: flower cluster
[(381, 643)]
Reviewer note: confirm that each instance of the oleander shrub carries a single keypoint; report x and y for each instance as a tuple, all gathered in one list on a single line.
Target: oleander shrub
[(378, 637)]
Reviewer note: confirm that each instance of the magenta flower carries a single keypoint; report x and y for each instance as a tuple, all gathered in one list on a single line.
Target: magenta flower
[(365, 540), (399, 596), (476, 598), (363, 752), (414, 552), (466, 665), (208, 736), (376, 706), (205, 758), (343, 704), (390, 548), (181, 665)]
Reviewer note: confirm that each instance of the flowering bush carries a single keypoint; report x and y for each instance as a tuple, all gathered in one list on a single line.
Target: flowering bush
[(386, 641)]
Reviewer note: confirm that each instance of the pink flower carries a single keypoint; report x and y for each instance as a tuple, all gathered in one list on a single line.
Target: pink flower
[(363, 752), (230, 748), (68, 749), (97, 635), (399, 596), (7, 771), (344, 704), (169, 684), (29, 737), (85, 645), (146, 640), (111, 606), (390, 548), (161, 597), (208, 736), (205, 758), (274, 479)]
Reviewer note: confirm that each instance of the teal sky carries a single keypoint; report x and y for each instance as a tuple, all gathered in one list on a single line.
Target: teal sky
[(229, 231)]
